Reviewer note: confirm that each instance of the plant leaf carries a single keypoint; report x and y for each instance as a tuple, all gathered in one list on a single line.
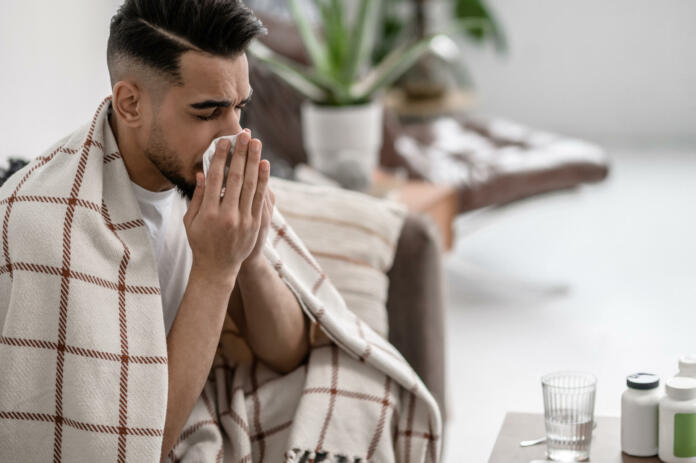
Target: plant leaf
[(363, 39), (391, 68), (391, 32), (468, 9), (316, 51), (298, 77), (330, 35)]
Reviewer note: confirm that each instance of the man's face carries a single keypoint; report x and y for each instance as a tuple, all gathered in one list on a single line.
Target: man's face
[(189, 117)]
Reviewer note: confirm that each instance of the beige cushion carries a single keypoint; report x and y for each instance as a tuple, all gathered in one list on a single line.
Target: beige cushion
[(353, 237)]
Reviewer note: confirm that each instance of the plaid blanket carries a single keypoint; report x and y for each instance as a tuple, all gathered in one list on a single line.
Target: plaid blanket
[(83, 351)]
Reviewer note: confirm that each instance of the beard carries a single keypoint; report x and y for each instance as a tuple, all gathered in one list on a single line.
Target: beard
[(168, 163)]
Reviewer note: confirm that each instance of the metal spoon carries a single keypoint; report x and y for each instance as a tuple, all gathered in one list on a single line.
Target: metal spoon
[(541, 440), (530, 443)]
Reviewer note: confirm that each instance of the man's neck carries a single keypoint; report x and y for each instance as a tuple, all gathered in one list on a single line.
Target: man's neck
[(140, 169)]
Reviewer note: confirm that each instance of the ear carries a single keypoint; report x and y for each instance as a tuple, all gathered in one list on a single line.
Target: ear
[(127, 103)]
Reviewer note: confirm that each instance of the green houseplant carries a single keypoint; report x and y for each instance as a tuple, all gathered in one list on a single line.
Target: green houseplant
[(342, 119), (434, 75), (469, 19)]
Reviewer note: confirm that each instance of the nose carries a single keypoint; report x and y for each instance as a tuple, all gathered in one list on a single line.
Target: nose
[(230, 125)]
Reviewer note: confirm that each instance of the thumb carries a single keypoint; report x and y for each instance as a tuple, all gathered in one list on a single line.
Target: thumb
[(196, 200)]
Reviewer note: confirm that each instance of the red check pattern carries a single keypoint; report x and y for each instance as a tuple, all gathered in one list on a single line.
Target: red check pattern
[(357, 399), (43, 268), (352, 237), (84, 349)]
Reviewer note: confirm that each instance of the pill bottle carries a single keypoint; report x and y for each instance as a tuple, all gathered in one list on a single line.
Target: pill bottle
[(687, 366), (678, 421), (639, 415)]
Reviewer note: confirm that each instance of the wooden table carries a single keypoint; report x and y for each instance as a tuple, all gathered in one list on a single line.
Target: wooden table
[(440, 203), (606, 441)]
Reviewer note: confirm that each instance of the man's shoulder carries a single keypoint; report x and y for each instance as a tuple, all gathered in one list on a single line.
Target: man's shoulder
[(33, 202), (45, 172)]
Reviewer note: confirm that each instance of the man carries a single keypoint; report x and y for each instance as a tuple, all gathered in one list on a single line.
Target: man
[(179, 80), (176, 86)]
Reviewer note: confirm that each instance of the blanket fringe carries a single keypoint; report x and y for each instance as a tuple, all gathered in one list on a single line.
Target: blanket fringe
[(309, 456)]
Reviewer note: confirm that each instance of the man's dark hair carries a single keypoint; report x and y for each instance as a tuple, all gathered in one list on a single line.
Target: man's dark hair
[(157, 32)]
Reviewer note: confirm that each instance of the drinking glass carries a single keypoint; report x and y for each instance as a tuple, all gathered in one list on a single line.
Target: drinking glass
[(569, 399)]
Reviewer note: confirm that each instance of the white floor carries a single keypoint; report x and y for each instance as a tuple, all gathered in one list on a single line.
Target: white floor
[(600, 279)]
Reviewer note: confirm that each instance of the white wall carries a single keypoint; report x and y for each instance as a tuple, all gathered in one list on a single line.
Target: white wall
[(53, 69), (594, 68), (614, 69)]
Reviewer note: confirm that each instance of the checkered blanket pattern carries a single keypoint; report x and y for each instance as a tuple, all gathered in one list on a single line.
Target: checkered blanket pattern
[(83, 350)]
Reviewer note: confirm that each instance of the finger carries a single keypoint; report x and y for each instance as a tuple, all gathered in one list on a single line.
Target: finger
[(264, 172), (235, 176), (269, 201), (264, 208), (251, 175), (267, 209), (196, 200), (211, 197)]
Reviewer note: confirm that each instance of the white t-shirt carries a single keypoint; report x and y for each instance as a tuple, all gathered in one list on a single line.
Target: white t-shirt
[(163, 214)]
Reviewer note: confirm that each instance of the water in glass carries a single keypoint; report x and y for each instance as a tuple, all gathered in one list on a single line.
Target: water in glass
[(569, 414)]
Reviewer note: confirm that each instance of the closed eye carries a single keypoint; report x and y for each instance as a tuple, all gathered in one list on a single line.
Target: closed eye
[(210, 116), (215, 114)]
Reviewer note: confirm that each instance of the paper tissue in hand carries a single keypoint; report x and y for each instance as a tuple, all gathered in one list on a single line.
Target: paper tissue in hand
[(208, 155)]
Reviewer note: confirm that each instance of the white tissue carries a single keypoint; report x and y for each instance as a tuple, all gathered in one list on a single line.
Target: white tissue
[(208, 155)]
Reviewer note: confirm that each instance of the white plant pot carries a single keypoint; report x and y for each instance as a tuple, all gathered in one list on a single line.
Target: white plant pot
[(344, 142)]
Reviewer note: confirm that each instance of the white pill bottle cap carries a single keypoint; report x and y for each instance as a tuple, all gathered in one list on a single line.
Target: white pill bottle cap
[(681, 388), (687, 365)]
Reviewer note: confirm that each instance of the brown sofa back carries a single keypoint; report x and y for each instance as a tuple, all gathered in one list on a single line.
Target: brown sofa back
[(415, 304)]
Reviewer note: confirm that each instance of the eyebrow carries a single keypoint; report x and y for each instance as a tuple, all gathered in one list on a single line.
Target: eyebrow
[(220, 103)]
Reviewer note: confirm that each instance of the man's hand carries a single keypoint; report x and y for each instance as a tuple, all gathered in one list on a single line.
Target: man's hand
[(254, 259), (256, 256), (223, 232), (264, 308)]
